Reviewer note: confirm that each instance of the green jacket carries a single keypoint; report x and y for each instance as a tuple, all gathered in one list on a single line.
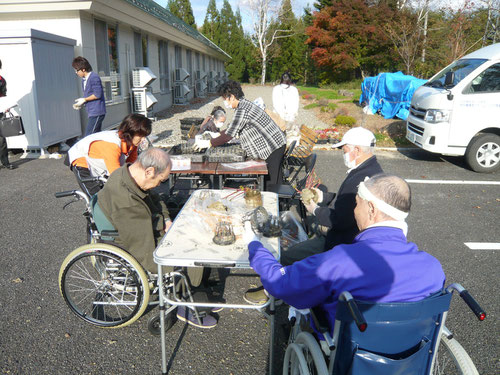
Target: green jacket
[(138, 216)]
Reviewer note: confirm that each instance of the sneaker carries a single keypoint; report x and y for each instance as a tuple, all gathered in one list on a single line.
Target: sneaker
[(256, 296), (187, 315), (216, 309)]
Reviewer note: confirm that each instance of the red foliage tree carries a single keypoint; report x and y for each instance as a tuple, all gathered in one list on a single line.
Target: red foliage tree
[(349, 36)]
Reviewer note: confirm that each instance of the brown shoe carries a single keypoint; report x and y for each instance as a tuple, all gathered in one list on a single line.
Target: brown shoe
[(256, 296)]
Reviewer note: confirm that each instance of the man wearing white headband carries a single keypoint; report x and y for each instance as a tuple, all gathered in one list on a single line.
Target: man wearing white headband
[(335, 214), (380, 265)]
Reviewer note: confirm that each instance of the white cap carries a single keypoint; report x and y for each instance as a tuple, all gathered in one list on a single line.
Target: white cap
[(357, 137)]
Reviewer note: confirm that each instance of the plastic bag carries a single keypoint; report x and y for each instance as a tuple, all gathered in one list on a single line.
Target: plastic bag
[(292, 232)]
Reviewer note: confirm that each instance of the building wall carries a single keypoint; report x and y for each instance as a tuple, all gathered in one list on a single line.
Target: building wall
[(79, 24)]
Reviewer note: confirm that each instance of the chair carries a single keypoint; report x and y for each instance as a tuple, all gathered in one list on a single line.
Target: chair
[(308, 139), (290, 190), (286, 168), (383, 338)]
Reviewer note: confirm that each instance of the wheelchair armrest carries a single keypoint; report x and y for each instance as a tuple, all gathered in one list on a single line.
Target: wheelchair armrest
[(109, 233), (321, 325)]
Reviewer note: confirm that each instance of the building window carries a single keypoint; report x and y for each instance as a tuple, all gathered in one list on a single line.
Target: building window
[(189, 59), (108, 65), (163, 62), (203, 63), (141, 49), (178, 57), (197, 60)]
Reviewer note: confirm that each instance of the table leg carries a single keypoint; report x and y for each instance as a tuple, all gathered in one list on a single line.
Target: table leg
[(261, 180), (272, 312), (162, 322), (220, 182)]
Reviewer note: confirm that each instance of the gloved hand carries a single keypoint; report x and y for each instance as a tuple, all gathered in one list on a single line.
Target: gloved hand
[(201, 144), (78, 103), (249, 235), (311, 206), (320, 195)]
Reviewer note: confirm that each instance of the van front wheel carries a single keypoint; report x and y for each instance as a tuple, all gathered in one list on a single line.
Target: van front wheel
[(483, 153)]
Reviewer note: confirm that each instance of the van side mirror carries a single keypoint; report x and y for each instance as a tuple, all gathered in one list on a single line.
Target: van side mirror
[(449, 78)]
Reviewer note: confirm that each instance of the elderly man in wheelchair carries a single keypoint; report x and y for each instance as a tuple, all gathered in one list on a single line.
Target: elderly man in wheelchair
[(398, 289), (109, 286)]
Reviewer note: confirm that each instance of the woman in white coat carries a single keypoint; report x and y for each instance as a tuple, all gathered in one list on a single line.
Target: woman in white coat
[(286, 100)]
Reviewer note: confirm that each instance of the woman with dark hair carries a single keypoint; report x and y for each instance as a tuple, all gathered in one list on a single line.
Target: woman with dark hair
[(93, 94), (259, 135), (99, 154), (286, 100)]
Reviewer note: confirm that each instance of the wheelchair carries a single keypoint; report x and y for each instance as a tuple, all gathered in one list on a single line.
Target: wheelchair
[(407, 338), (106, 286)]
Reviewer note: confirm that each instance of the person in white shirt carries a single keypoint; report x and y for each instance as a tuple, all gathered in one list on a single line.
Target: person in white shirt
[(286, 100)]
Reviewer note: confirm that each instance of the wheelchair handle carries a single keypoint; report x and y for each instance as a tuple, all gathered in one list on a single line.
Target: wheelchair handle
[(94, 179), (73, 193), (469, 300), (359, 319)]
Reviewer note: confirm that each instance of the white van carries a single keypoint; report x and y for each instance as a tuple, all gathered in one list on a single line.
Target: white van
[(457, 112)]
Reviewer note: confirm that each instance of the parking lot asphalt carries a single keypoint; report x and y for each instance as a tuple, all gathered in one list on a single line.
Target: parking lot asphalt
[(40, 335)]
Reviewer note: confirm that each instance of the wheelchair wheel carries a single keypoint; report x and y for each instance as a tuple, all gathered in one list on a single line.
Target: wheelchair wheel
[(452, 359), (304, 357), (104, 285), (154, 325)]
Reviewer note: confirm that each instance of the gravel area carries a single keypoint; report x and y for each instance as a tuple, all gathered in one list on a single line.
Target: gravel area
[(167, 126)]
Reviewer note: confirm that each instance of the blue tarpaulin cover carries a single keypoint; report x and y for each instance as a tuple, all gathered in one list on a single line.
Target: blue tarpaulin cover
[(389, 93)]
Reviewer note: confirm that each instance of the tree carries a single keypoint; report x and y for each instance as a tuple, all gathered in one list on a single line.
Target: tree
[(211, 24), (349, 37), (182, 9), (289, 54), (262, 13)]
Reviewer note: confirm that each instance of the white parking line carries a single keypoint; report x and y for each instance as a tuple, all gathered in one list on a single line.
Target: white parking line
[(483, 245), (452, 182)]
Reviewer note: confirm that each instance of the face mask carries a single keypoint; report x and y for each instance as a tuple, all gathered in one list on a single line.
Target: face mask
[(226, 104), (349, 163), (219, 125)]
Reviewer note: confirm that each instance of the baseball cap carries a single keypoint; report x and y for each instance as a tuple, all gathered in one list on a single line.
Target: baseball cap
[(357, 137)]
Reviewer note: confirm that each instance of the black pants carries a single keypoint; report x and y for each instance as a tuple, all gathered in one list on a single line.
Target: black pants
[(274, 172), (4, 153), (90, 188)]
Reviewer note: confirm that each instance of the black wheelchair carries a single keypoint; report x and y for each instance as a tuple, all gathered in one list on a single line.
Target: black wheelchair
[(407, 338)]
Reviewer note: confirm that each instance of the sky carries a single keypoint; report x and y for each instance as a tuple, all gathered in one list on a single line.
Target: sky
[(200, 9)]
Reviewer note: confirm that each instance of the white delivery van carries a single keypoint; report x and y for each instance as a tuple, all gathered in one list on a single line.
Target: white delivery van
[(457, 112)]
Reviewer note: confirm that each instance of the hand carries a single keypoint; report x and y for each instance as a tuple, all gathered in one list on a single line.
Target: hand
[(79, 102), (311, 206), (320, 195), (201, 144), (249, 235), (168, 224)]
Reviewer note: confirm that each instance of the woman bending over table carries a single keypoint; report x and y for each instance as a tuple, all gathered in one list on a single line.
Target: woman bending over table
[(259, 135)]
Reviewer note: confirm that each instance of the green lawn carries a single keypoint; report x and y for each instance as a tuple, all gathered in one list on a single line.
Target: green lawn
[(329, 93)]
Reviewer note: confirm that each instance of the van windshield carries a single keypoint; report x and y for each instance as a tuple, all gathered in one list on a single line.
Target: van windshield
[(461, 68)]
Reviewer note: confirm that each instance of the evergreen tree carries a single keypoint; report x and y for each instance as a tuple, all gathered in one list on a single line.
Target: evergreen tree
[(320, 4), (182, 9), (211, 24)]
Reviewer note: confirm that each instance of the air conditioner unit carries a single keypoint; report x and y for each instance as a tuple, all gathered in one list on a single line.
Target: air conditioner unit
[(181, 74), (143, 100), (198, 75), (180, 93), (200, 89), (211, 74), (142, 77), (203, 74), (212, 86)]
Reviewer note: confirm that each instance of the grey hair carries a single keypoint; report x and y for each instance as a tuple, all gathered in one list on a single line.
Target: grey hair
[(219, 114), (156, 158), (393, 190), (367, 149)]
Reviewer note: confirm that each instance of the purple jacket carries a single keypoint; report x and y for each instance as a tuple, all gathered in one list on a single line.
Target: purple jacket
[(94, 86), (379, 266)]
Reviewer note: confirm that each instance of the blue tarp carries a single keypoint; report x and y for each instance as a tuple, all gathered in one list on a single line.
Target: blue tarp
[(389, 93)]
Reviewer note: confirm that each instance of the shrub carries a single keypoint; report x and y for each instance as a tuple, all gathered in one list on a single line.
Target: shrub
[(380, 137), (310, 106), (332, 106), (345, 120), (323, 102)]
